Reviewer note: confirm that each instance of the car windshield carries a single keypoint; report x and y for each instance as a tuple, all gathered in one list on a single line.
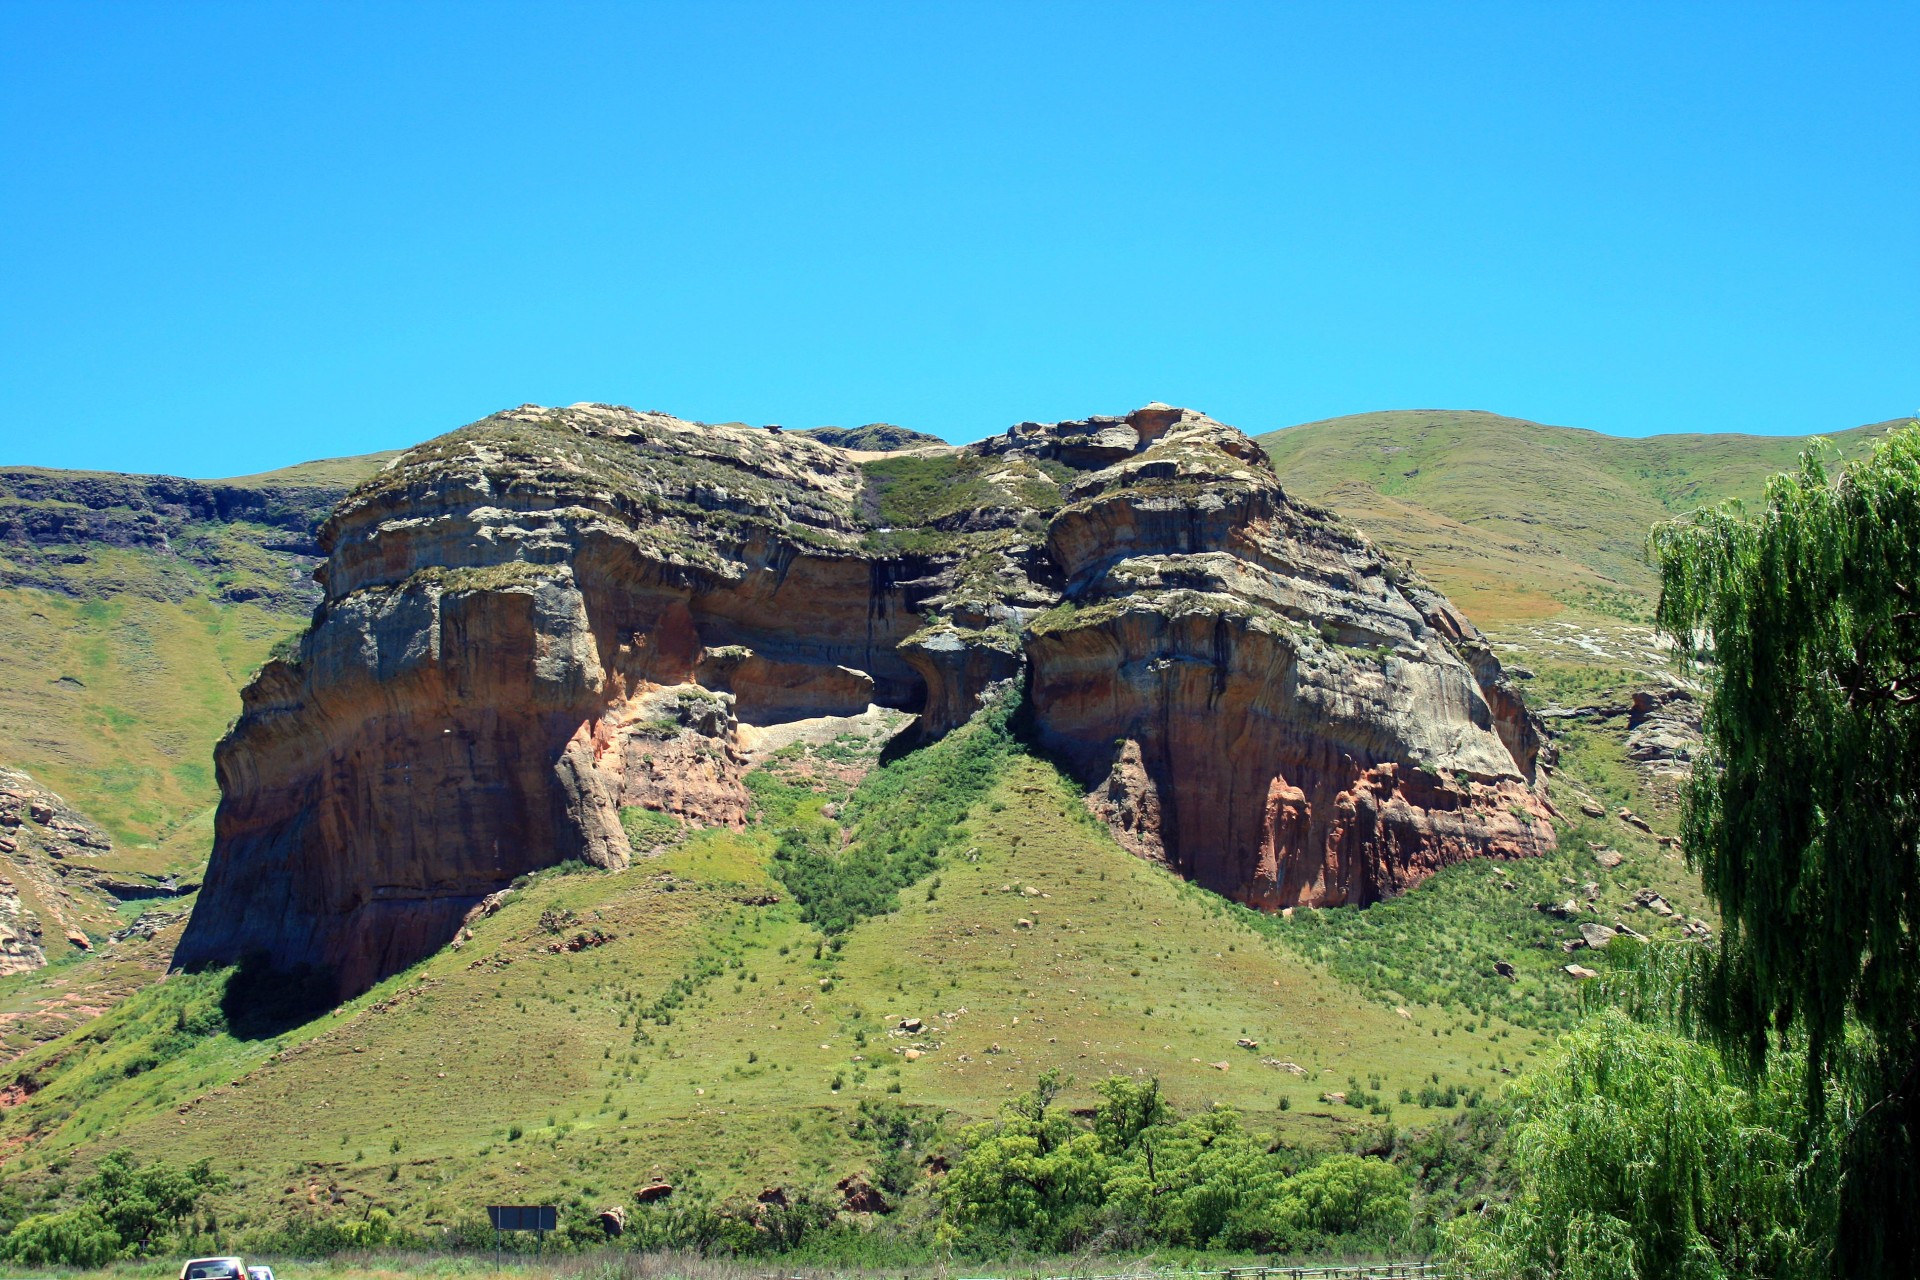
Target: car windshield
[(214, 1269)]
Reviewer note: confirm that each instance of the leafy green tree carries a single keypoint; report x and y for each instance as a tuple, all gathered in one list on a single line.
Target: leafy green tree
[(141, 1203), (1345, 1195), (1803, 815), (1146, 1176), (1639, 1155), (1032, 1176), (1127, 1109)]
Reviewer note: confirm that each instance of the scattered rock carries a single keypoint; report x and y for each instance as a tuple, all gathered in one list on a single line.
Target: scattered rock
[(1337, 1099), (613, 1221), (1608, 858), (1504, 969), (1245, 1043), (1634, 820), (1221, 1066), (775, 1196), (911, 1024), (1580, 971), (1597, 936), (653, 1192), (1592, 810), (1023, 923), (1291, 1068), (913, 1055), (860, 1196), (79, 940)]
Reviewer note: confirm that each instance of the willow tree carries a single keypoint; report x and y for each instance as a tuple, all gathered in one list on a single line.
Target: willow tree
[(1803, 815)]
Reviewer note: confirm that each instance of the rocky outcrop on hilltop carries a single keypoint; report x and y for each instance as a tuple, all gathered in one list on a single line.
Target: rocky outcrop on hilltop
[(552, 615), (238, 540), (875, 437)]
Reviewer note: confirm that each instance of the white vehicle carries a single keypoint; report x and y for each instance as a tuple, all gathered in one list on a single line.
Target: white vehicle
[(259, 1273), (214, 1269)]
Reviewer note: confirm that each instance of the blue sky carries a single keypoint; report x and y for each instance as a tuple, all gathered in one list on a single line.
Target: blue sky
[(236, 236)]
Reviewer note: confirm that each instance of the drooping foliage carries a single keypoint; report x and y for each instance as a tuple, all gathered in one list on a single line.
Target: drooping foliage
[(1638, 1154), (1803, 815)]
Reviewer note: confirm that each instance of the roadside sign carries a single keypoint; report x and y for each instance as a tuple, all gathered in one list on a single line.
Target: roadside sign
[(523, 1217)]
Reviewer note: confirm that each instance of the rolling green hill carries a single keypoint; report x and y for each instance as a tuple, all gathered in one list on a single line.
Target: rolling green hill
[(1516, 520), (681, 1021)]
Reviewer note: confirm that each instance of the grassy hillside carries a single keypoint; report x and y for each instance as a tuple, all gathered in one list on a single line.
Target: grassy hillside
[(130, 618), (1516, 520), (116, 704), (604, 1030), (321, 473)]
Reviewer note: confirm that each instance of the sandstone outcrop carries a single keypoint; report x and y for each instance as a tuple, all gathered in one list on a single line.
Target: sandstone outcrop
[(51, 894), (552, 615)]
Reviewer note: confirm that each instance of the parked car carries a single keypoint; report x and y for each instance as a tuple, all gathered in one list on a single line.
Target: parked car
[(259, 1273), (214, 1269)]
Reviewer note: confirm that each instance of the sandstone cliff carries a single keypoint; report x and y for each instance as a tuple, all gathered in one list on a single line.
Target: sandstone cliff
[(553, 614)]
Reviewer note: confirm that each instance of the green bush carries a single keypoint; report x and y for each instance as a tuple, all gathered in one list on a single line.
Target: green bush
[(1141, 1177), (902, 816), (75, 1238)]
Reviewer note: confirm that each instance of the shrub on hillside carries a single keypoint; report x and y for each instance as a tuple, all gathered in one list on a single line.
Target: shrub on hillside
[(1139, 1176), (75, 1238), (126, 1208)]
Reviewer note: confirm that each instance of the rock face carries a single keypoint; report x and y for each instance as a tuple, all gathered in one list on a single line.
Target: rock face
[(554, 614), (50, 895)]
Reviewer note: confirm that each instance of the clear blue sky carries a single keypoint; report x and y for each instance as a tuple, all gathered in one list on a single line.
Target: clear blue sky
[(235, 236)]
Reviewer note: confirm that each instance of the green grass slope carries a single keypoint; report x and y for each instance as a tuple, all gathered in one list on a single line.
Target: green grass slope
[(125, 659), (682, 1021), (116, 703), (1517, 520)]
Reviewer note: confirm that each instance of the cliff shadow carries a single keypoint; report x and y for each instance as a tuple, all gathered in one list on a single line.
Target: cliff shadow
[(262, 1001)]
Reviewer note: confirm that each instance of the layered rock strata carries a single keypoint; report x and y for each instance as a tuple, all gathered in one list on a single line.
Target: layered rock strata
[(554, 614), (249, 539)]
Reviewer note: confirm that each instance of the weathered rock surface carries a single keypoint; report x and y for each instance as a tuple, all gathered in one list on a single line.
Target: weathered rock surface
[(1664, 730), (554, 614), (49, 894)]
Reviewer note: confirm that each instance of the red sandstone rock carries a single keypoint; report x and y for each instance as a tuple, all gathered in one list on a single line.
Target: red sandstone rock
[(550, 615)]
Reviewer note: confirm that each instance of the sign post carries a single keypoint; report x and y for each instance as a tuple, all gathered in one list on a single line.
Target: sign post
[(537, 1218)]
